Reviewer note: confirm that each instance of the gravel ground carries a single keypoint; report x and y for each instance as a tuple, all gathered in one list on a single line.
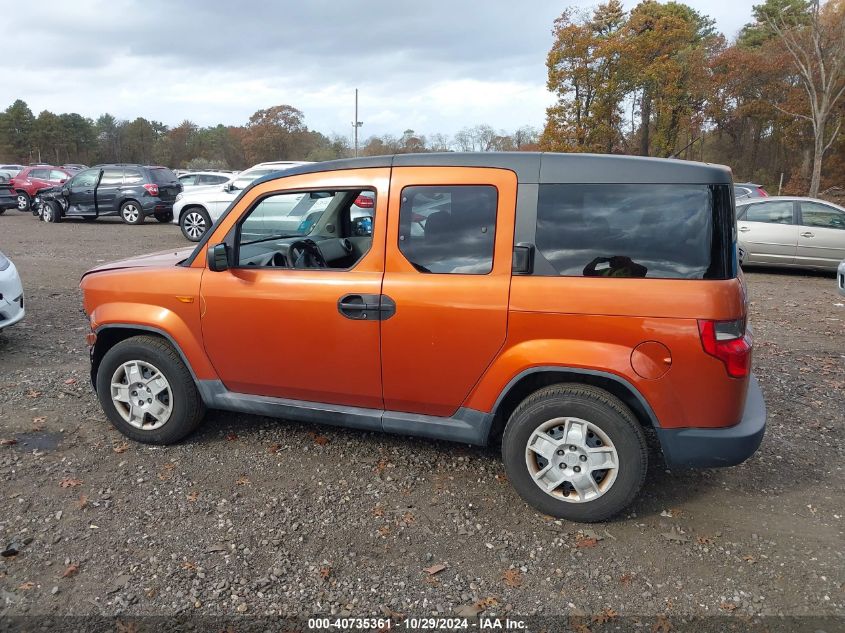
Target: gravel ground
[(259, 516)]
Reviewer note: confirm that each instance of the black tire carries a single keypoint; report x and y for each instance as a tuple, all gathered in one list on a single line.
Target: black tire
[(605, 412), (131, 212), (188, 408), (51, 212), (24, 200), (192, 220), (164, 217), (2, 210)]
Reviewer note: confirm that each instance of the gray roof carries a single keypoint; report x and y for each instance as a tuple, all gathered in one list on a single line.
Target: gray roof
[(540, 167)]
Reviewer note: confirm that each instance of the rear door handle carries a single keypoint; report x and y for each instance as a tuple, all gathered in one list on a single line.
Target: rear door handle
[(807, 234), (366, 307)]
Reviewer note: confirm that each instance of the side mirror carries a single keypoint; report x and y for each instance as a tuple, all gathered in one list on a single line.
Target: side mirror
[(362, 226), (65, 190), (218, 258)]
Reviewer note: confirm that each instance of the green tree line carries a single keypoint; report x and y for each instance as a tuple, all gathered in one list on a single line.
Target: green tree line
[(659, 80)]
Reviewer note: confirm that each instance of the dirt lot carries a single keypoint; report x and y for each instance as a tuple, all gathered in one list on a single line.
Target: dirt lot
[(257, 516)]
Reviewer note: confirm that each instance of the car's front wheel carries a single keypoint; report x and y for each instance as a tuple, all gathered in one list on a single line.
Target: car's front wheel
[(194, 222), (130, 212), (147, 391), (23, 201), (50, 212), (575, 452)]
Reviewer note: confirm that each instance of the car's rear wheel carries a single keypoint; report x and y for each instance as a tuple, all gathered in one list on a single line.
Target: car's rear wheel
[(164, 217), (147, 391), (2, 210), (130, 212), (575, 452), (194, 222), (23, 201), (50, 212)]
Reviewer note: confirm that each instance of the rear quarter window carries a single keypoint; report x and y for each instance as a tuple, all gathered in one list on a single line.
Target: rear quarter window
[(637, 230), (162, 176)]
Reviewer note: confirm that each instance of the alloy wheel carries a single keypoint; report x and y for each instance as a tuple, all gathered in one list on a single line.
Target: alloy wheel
[(571, 459), (131, 213), (194, 224), (23, 202), (142, 395)]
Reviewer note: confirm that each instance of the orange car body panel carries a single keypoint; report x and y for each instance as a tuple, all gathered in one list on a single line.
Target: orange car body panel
[(455, 340), (447, 328)]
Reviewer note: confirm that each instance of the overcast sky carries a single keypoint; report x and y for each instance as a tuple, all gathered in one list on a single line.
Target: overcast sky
[(433, 66)]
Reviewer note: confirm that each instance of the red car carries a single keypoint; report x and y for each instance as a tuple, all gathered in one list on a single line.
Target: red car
[(30, 180)]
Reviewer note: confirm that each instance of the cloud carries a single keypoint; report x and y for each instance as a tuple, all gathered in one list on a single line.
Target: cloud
[(435, 66)]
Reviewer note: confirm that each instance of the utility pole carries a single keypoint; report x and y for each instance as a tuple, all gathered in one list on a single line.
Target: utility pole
[(356, 123)]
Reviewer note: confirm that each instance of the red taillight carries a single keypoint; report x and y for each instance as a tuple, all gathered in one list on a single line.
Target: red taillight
[(730, 343), (763, 193), (364, 202), (152, 189)]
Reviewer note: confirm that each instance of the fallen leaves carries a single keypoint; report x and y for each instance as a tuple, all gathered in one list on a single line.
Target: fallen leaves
[(166, 471), (192, 496), (662, 625), (675, 535), (70, 381), (32, 393), (189, 566), (586, 541), (38, 422), (8, 441), (435, 569), (704, 540), (70, 482), (274, 448), (730, 607), (512, 578), (70, 571), (319, 440), (243, 481), (121, 448), (605, 615), (378, 512), (26, 586), (82, 502), (325, 572), (472, 610), (383, 531), (231, 437)]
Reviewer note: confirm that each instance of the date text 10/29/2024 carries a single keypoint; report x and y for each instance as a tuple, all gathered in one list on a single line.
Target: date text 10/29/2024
[(415, 624)]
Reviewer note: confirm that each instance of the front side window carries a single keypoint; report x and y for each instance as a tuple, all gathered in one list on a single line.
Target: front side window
[(111, 178), (636, 230), (449, 229), (822, 216), (57, 175), (304, 230), (188, 180), (87, 178), (776, 212)]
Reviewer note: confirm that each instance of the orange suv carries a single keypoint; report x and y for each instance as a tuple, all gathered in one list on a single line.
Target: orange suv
[(561, 304)]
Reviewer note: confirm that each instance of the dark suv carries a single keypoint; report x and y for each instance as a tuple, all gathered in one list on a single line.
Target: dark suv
[(130, 191)]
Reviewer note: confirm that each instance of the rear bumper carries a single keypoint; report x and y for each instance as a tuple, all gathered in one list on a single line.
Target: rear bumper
[(11, 297), (713, 448)]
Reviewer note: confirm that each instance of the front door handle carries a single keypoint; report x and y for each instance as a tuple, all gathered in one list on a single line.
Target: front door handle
[(744, 229), (366, 307), (807, 234)]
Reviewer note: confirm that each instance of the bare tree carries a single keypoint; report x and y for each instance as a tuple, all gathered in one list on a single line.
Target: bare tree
[(818, 51)]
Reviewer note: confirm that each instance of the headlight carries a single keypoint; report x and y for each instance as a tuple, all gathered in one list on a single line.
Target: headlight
[(179, 196), (4, 262)]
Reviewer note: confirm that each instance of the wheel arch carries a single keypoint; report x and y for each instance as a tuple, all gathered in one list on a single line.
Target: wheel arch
[(534, 378), (110, 335), (192, 205)]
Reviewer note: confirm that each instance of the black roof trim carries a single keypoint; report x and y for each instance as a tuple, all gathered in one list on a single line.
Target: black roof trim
[(537, 167)]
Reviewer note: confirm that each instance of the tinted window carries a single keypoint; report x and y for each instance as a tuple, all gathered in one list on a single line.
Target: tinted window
[(87, 178), (162, 176), (207, 179), (637, 230), (132, 177), (740, 211), (448, 229), (775, 212), (822, 216), (111, 177)]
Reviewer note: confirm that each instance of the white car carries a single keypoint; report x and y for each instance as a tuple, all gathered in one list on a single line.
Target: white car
[(193, 179), (11, 294), (197, 209)]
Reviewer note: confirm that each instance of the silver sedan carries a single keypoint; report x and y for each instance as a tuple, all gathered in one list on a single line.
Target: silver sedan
[(840, 277), (792, 232)]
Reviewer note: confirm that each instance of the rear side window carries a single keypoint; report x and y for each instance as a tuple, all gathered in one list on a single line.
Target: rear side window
[(449, 229), (207, 179), (778, 212), (111, 177), (162, 176), (132, 177), (637, 230), (55, 174), (822, 216)]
